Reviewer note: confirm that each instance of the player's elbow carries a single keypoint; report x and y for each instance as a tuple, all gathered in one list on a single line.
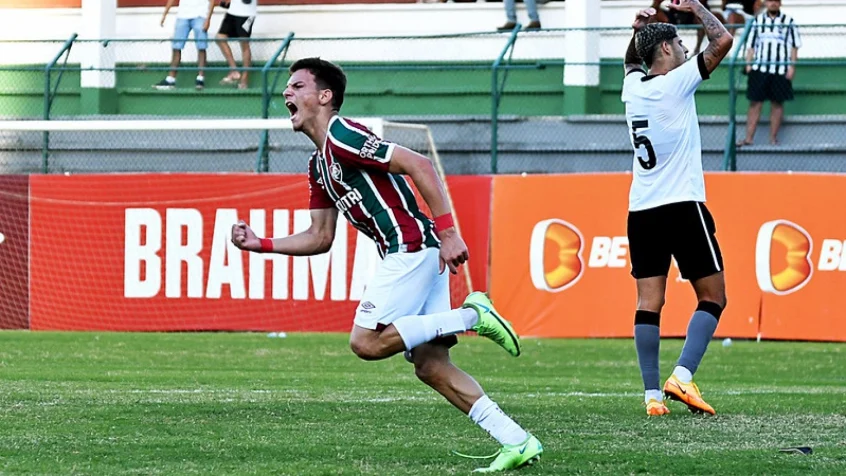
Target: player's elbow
[(725, 43), (325, 244), (323, 241)]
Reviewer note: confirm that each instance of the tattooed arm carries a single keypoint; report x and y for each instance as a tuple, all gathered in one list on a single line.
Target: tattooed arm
[(719, 39)]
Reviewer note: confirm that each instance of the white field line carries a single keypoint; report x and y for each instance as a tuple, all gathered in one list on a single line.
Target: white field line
[(188, 395), (367, 396)]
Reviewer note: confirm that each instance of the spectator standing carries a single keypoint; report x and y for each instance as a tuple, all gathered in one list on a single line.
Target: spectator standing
[(772, 48), (511, 15), (238, 23), (191, 15)]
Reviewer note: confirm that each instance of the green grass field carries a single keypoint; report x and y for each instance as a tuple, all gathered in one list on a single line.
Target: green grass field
[(112, 403)]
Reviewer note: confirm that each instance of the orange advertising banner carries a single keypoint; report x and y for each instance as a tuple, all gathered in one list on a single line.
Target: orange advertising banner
[(560, 264)]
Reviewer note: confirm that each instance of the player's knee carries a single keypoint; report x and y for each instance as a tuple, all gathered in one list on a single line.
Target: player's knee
[(365, 349), (651, 303), (427, 370), (716, 297)]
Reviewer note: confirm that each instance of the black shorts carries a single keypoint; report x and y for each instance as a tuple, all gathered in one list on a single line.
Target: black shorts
[(683, 18), (768, 87), (683, 230), (236, 27)]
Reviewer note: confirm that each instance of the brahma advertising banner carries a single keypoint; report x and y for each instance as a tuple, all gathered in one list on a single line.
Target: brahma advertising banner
[(150, 252), (560, 265)]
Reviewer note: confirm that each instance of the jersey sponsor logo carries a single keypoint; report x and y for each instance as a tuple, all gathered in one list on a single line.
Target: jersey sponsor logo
[(348, 200), (371, 145), (783, 257), (555, 255)]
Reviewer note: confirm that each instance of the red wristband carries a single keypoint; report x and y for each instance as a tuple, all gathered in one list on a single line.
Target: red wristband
[(443, 222), (266, 245)]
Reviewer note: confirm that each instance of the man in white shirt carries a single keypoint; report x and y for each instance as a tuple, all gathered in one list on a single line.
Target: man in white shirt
[(667, 214), (238, 23), (192, 15)]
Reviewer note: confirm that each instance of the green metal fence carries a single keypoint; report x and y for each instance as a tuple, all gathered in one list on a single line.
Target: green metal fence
[(496, 98)]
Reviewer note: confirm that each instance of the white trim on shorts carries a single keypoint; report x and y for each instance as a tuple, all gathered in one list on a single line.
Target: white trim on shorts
[(708, 237)]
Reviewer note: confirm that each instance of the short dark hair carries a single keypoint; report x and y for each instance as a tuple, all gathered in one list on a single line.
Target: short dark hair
[(650, 37), (327, 75)]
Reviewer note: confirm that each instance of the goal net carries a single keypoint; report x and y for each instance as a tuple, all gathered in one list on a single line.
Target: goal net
[(125, 225)]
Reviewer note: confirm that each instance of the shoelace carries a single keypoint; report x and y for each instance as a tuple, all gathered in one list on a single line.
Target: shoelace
[(477, 457)]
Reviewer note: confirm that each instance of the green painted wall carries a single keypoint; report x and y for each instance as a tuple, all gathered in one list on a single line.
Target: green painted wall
[(419, 89), (818, 89), (22, 92)]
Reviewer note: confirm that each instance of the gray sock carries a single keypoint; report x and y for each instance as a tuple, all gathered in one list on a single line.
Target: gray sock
[(700, 331), (647, 342)]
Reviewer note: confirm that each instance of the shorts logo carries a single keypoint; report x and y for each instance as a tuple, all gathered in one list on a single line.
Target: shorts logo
[(555, 255), (783, 257), (368, 305)]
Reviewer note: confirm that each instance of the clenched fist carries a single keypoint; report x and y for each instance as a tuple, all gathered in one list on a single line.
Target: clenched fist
[(453, 251), (244, 237)]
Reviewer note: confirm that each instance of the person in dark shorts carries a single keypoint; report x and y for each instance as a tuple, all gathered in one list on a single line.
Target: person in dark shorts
[(676, 17), (238, 24), (772, 48), (667, 214)]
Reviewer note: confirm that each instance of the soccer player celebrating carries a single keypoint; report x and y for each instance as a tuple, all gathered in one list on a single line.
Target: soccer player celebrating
[(667, 214), (406, 305)]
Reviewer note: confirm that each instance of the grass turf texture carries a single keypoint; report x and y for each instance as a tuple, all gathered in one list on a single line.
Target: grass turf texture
[(108, 403)]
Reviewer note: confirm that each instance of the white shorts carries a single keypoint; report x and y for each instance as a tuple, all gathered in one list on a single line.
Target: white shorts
[(405, 284)]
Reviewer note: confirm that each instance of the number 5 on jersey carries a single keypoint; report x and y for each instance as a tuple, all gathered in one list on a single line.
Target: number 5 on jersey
[(643, 141)]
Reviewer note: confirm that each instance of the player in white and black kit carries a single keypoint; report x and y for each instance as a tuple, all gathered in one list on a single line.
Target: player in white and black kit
[(667, 213)]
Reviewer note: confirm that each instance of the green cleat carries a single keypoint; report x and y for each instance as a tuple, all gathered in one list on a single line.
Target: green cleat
[(491, 324), (515, 456)]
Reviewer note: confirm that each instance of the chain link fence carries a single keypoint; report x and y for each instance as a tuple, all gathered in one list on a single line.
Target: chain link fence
[(509, 112)]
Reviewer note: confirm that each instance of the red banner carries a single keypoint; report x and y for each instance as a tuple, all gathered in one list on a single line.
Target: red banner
[(151, 252), (14, 259), (471, 198)]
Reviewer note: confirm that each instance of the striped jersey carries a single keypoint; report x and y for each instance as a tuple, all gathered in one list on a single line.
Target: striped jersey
[(773, 39), (351, 174)]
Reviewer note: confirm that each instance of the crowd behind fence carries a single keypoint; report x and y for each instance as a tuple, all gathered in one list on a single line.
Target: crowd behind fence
[(510, 80)]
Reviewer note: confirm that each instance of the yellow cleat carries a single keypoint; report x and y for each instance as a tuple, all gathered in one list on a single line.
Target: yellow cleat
[(656, 408), (687, 393)]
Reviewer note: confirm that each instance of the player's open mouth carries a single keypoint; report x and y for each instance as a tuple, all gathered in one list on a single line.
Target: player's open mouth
[(292, 108)]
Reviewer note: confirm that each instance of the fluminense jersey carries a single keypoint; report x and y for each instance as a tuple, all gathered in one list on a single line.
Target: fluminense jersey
[(351, 174), (664, 132)]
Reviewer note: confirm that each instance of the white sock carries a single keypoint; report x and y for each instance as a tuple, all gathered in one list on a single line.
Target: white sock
[(683, 374), (170, 79), (200, 77), (487, 414), (470, 316), (416, 330), (654, 395)]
